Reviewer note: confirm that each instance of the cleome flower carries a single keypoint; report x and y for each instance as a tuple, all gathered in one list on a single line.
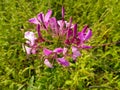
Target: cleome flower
[(57, 40)]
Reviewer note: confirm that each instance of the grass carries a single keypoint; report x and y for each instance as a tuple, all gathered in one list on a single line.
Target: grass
[(97, 69)]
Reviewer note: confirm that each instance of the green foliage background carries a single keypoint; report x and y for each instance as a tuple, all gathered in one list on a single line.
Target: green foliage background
[(97, 69)]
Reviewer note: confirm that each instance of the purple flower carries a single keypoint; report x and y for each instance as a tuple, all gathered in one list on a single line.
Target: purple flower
[(47, 63), (63, 62), (66, 32)]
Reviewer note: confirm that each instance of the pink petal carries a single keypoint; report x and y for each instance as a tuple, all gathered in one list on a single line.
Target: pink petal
[(65, 50), (63, 61), (47, 52), (69, 33), (47, 63), (48, 15), (34, 49), (40, 17), (74, 49), (75, 31), (76, 53), (58, 50), (28, 50), (61, 24), (88, 34), (30, 36), (34, 21), (81, 36), (84, 29), (54, 25)]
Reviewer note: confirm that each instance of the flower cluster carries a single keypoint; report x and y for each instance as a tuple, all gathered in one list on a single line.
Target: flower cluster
[(58, 40)]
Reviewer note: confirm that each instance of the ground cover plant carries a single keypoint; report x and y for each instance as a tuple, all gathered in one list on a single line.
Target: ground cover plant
[(97, 69)]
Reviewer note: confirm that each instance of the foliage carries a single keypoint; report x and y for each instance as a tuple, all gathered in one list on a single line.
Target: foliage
[(97, 69)]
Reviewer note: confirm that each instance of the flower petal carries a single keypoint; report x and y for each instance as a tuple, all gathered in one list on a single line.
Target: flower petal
[(88, 34), (63, 61), (84, 29), (61, 24), (28, 50), (69, 33), (54, 25), (31, 38), (65, 50), (34, 21), (75, 52), (47, 52), (40, 17), (48, 15), (69, 24), (75, 31), (39, 33), (47, 63), (81, 36), (58, 50)]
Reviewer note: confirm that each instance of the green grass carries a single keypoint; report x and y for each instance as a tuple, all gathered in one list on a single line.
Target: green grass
[(97, 69)]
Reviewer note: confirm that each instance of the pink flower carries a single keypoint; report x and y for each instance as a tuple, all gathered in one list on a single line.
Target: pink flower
[(58, 32)]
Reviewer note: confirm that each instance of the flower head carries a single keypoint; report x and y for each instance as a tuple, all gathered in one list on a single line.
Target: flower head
[(59, 41)]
